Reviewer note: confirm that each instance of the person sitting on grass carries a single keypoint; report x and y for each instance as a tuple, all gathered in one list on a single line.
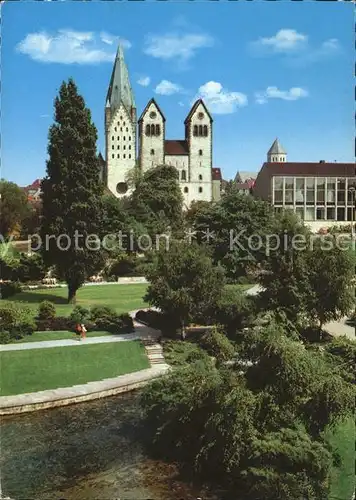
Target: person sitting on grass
[(78, 330)]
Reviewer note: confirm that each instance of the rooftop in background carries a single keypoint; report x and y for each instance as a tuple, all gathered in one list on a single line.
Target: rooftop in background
[(276, 148), (216, 174), (321, 168)]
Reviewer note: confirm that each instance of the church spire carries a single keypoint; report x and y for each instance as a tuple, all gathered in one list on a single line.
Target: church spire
[(120, 90), (276, 153)]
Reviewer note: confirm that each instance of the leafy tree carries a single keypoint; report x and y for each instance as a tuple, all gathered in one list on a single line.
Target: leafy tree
[(238, 227), (184, 283), (32, 221), (13, 207), (285, 268), (331, 270), (72, 192), (256, 430), (157, 200)]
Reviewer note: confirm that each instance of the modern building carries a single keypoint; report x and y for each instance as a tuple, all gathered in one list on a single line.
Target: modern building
[(130, 142), (322, 194)]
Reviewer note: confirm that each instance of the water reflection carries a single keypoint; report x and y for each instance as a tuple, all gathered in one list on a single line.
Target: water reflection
[(85, 451)]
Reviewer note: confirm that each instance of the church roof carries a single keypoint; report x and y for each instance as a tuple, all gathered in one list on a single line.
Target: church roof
[(194, 107), (276, 148), (151, 101), (120, 89), (173, 147)]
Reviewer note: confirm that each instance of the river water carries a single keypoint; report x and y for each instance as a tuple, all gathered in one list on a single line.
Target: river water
[(86, 451)]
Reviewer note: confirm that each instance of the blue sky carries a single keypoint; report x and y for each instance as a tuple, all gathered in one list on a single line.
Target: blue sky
[(265, 69)]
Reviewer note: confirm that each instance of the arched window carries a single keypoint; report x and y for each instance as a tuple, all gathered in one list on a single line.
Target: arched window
[(200, 177), (152, 129), (184, 175), (200, 190), (112, 156), (205, 131), (112, 147), (124, 146), (158, 130), (152, 151), (200, 152), (186, 190), (148, 130), (195, 130), (129, 156), (200, 130), (118, 146), (118, 156)]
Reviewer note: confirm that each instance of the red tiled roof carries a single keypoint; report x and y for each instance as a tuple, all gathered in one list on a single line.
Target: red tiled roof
[(216, 174), (173, 147), (303, 168)]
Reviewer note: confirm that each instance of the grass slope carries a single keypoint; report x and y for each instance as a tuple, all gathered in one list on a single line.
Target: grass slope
[(122, 298), (40, 369), (342, 439)]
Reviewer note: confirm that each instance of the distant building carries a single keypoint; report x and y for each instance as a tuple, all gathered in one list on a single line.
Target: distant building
[(244, 182), (33, 191), (320, 193)]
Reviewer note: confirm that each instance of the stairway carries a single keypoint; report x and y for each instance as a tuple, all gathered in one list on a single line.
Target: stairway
[(154, 352)]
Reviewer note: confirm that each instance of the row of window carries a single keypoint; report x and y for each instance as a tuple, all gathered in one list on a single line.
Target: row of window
[(118, 147), (183, 176), (275, 158), (118, 138), (200, 130), (118, 156), (322, 213), (310, 190), (200, 152), (186, 190), (153, 130), (127, 129)]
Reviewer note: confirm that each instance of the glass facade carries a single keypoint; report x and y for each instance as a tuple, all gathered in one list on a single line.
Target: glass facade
[(316, 198)]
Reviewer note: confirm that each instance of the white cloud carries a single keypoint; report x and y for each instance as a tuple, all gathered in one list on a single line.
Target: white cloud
[(172, 45), (181, 103), (166, 87), (44, 116), (144, 81), (219, 100), (285, 40), (292, 94), (110, 39), (68, 47)]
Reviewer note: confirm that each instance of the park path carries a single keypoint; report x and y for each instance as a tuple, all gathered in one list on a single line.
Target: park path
[(142, 332), (335, 328)]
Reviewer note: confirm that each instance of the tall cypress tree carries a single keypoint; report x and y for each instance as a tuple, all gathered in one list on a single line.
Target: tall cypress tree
[(72, 192)]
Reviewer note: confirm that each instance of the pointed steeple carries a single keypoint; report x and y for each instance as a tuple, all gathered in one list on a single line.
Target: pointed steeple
[(276, 153), (276, 148), (120, 89)]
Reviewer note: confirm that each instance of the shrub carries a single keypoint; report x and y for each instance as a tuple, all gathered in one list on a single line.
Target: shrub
[(234, 311), (59, 323), (218, 345), (17, 319), (46, 310), (30, 268), (4, 337), (79, 314), (106, 318), (9, 289), (344, 351)]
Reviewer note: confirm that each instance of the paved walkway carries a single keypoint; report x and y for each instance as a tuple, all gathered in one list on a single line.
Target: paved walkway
[(142, 332)]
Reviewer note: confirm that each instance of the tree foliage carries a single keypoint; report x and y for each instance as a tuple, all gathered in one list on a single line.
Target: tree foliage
[(184, 283), (72, 192), (13, 207), (257, 431)]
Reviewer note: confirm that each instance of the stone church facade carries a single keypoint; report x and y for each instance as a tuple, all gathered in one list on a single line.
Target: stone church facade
[(131, 142)]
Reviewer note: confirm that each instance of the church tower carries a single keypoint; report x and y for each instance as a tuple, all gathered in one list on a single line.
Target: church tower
[(276, 153), (151, 131), (120, 128), (198, 134)]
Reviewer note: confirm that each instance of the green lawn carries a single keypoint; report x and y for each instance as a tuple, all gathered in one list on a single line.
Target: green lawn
[(40, 369), (122, 298), (60, 335), (342, 439)]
